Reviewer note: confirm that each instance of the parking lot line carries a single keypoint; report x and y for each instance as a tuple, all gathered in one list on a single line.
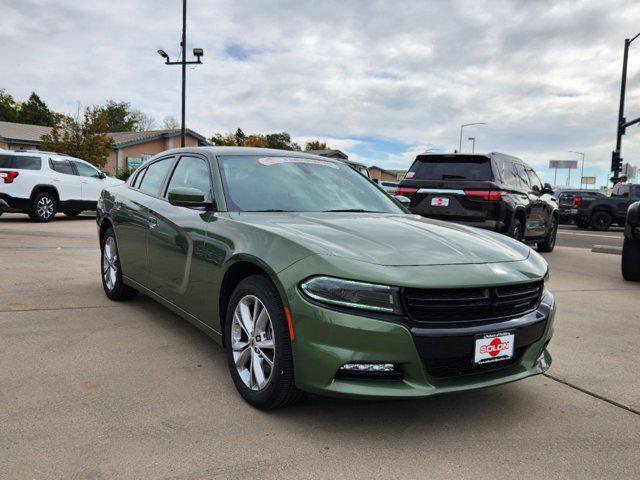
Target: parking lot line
[(588, 234)]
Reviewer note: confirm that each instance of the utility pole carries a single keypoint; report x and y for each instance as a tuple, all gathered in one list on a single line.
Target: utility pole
[(473, 144), (582, 168), (461, 128), (198, 53), (616, 160)]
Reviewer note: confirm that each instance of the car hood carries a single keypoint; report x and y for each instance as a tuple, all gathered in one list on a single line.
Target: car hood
[(389, 239)]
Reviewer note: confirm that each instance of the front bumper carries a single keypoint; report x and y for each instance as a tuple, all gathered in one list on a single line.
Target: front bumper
[(327, 339)]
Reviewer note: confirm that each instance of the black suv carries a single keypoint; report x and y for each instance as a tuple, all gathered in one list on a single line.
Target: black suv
[(493, 191)]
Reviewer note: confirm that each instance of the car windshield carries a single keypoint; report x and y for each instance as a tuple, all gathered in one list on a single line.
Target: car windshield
[(254, 183)]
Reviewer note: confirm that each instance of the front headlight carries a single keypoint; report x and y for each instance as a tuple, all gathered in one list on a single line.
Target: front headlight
[(351, 294)]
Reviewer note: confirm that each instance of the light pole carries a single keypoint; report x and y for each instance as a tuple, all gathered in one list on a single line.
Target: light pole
[(462, 127), (582, 168), (473, 144), (197, 52)]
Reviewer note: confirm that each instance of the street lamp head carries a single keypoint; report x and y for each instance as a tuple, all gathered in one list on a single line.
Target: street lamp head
[(471, 138), (163, 54), (198, 52)]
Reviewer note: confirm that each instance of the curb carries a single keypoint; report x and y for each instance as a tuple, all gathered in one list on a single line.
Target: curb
[(607, 249)]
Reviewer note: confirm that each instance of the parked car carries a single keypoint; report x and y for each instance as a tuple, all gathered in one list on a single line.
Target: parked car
[(292, 262), (41, 184), (631, 246), (494, 191), (569, 203), (600, 213)]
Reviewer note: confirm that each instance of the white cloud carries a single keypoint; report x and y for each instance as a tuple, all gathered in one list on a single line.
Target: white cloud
[(543, 75)]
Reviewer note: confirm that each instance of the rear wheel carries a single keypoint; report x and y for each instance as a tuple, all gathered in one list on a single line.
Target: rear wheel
[(631, 260), (549, 242), (258, 346), (601, 221), (43, 207), (111, 270)]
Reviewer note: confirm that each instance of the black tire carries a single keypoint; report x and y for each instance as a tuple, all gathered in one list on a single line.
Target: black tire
[(516, 230), (43, 207), (582, 222), (75, 213), (601, 221), (116, 290), (280, 390), (631, 260), (549, 242)]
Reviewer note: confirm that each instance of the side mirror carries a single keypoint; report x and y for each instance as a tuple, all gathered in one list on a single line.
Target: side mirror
[(102, 176), (404, 201), (548, 188), (186, 197), (375, 180)]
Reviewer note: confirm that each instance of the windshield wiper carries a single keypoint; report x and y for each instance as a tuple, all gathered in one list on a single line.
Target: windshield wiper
[(268, 210), (359, 210)]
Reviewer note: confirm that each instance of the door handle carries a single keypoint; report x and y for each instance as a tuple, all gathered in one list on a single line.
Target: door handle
[(153, 222), (55, 179)]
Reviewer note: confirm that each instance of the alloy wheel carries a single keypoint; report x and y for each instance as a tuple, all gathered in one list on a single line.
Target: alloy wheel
[(45, 207), (109, 263), (252, 342)]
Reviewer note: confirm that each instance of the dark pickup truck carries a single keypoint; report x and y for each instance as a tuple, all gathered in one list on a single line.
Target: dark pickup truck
[(600, 213)]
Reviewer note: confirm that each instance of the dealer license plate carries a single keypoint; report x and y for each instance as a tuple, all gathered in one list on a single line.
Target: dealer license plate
[(494, 347), (439, 202)]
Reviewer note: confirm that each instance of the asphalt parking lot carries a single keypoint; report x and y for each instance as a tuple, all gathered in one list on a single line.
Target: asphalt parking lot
[(92, 389)]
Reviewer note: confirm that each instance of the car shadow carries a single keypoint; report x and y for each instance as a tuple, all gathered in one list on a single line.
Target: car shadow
[(24, 218)]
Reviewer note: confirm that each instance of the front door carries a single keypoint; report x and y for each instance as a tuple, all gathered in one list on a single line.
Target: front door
[(540, 210), (91, 183), (176, 242)]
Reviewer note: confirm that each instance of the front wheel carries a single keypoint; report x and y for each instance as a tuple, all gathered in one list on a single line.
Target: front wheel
[(516, 231), (631, 260), (258, 345), (111, 270), (549, 242), (43, 207)]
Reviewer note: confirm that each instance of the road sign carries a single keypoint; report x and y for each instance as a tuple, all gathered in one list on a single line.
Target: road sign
[(563, 164), (134, 162), (589, 180)]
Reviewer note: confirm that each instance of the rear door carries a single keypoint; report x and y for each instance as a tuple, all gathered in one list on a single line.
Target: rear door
[(64, 178), (438, 186)]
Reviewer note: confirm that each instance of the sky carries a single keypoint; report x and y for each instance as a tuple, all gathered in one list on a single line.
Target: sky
[(380, 80)]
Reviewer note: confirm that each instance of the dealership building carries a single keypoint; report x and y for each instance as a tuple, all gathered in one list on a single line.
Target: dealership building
[(129, 149)]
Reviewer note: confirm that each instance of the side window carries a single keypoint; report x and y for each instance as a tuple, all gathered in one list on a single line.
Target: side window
[(510, 175), (138, 178), (192, 172), (61, 166), (156, 172), (85, 170), (522, 176), (534, 181)]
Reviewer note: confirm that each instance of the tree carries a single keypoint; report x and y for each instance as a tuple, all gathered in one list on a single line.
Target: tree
[(143, 121), (35, 112), (281, 141), (9, 109), (170, 123), (111, 117), (224, 140), (256, 141), (77, 138), (316, 145), (240, 137)]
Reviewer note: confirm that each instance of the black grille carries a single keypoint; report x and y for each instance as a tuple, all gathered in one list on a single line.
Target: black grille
[(452, 307), (457, 366)]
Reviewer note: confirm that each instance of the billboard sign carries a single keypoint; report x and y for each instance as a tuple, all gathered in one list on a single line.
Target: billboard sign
[(134, 162), (563, 164), (589, 180)]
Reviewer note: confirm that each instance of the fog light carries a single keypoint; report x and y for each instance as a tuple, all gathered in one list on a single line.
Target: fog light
[(368, 367)]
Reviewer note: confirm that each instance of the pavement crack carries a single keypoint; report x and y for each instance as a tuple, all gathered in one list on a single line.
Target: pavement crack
[(592, 394)]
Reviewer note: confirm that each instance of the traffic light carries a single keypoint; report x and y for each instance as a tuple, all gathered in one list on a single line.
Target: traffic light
[(616, 162)]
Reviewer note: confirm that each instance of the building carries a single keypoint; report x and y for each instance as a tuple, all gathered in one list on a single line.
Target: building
[(343, 157), (130, 149), (379, 173)]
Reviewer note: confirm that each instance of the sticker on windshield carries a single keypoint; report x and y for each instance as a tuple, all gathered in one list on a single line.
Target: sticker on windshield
[(278, 160)]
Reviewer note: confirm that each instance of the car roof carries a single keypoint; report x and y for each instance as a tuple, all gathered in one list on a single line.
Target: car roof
[(43, 153), (494, 155), (242, 151)]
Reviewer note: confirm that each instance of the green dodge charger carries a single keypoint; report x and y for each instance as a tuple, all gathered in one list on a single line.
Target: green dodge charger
[(314, 279)]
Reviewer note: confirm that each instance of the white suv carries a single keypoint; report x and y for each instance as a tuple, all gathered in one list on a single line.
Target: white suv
[(42, 183)]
